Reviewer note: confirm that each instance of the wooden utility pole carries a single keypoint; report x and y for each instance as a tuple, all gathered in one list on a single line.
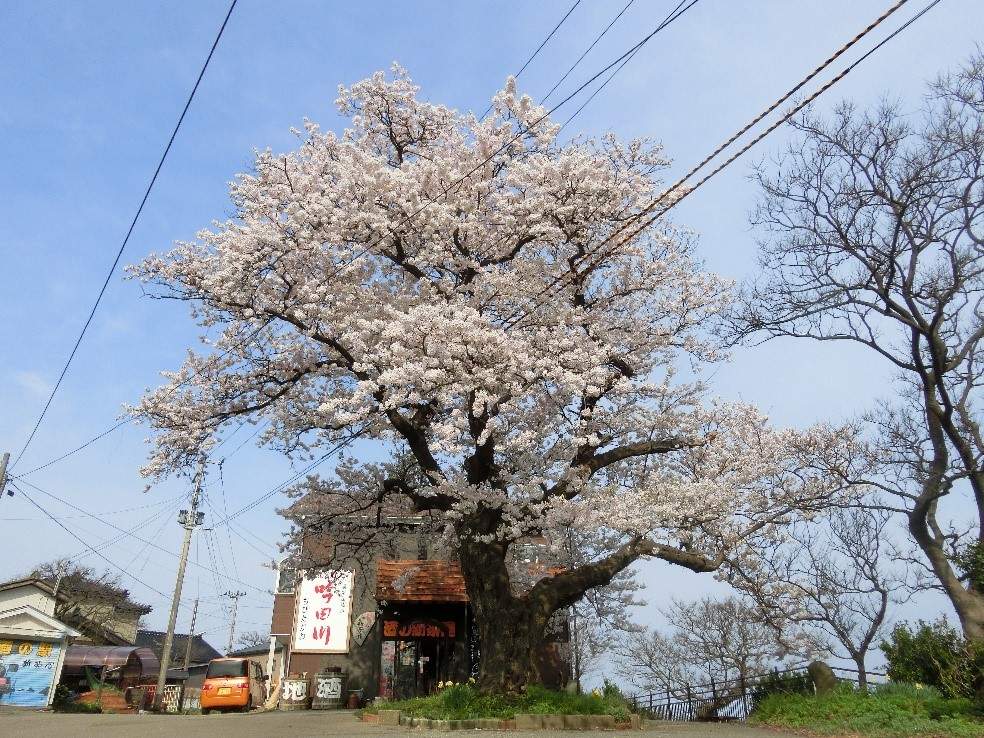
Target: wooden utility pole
[(3, 473), (232, 627), (191, 635), (190, 519)]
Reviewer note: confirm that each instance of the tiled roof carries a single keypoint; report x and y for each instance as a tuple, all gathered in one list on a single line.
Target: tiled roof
[(201, 651), (420, 581)]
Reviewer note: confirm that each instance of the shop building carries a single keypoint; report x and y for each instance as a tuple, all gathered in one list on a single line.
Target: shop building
[(392, 627), (33, 644)]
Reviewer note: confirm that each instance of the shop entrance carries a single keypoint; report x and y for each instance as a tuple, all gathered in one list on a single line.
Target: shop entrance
[(419, 656), (420, 668)]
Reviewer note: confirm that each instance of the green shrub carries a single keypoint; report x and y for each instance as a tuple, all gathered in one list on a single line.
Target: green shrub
[(461, 701), (456, 697), (885, 712), (938, 656), (917, 691), (63, 701), (796, 682)]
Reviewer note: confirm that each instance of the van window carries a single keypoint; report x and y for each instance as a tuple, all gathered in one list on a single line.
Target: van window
[(227, 668)]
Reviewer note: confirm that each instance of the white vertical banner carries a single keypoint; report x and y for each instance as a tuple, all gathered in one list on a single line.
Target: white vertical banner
[(323, 612)]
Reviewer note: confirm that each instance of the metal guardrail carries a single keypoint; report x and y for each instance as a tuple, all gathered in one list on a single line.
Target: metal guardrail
[(719, 702)]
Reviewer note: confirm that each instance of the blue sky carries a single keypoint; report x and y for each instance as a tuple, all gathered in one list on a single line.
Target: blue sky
[(90, 93)]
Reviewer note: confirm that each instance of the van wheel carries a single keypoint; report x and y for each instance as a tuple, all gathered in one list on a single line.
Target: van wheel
[(206, 712), (249, 704)]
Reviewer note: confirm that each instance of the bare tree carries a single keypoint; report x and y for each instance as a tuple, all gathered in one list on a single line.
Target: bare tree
[(253, 639), (719, 642), (97, 604), (876, 224), (834, 578)]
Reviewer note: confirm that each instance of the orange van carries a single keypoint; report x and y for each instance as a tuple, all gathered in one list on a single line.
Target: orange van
[(233, 684)]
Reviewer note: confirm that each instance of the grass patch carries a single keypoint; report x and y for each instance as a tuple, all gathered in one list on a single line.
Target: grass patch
[(888, 711), (463, 702)]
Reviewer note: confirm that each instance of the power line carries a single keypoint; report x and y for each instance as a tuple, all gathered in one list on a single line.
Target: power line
[(279, 488), (127, 533), (586, 51), (77, 538), (549, 36), (674, 14), (620, 62), (598, 252), (542, 44), (126, 239), (212, 360)]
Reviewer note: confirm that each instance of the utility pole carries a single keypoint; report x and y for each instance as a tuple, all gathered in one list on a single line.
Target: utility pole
[(190, 519), (232, 627), (191, 635), (3, 473)]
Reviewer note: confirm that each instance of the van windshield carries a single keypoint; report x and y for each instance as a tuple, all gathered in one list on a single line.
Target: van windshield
[(232, 668)]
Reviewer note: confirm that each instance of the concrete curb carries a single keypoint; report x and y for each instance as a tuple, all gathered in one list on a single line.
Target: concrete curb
[(525, 722)]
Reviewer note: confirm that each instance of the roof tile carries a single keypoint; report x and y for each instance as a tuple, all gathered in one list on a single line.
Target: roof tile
[(414, 580)]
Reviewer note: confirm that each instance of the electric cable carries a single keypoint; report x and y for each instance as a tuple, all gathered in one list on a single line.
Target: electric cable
[(799, 106), (115, 527), (212, 360), (621, 60), (669, 19), (662, 197), (587, 51), (224, 509), (77, 538), (618, 69), (126, 239), (279, 488), (549, 36), (597, 250), (75, 450), (542, 44)]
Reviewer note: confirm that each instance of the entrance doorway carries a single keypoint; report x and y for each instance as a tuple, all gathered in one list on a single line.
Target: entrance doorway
[(419, 656)]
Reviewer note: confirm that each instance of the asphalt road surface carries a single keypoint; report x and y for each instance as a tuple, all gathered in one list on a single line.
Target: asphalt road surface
[(302, 724)]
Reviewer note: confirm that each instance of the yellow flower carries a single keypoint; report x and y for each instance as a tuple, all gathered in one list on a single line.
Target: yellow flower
[(918, 685)]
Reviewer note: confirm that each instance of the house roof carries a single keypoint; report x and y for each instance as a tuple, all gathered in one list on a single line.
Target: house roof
[(260, 650), (201, 651), (30, 581), (413, 580), (26, 621)]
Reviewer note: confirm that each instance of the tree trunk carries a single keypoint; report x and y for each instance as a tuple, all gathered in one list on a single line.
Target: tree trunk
[(511, 629), (967, 602), (512, 644), (862, 674)]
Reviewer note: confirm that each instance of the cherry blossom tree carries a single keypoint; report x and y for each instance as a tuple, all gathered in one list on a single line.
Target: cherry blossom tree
[(484, 297)]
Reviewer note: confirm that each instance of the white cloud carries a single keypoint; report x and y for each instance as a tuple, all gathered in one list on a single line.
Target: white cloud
[(33, 383)]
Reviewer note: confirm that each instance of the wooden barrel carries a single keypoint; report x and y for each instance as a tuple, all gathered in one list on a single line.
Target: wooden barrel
[(329, 691), (295, 694)]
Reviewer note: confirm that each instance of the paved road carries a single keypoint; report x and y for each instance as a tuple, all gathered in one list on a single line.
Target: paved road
[(301, 724)]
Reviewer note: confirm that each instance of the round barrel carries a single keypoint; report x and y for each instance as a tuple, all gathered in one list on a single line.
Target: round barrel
[(329, 691), (295, 694)]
